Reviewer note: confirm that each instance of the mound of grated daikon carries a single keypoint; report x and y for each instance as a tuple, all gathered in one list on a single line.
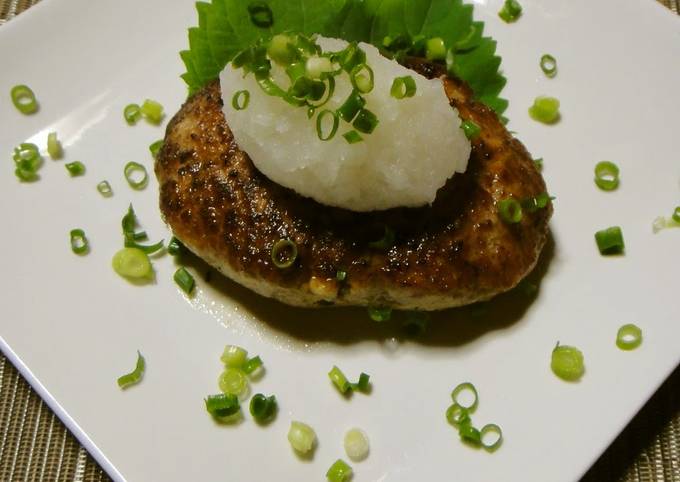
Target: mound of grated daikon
[(417, 145)]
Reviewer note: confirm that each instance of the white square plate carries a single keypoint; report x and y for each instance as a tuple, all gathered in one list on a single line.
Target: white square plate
[(72, 325)]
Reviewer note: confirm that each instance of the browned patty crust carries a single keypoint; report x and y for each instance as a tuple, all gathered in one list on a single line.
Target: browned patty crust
[(455, 252)]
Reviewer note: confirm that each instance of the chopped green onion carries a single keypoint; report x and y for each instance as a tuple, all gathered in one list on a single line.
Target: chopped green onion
[(234, 356), (261, 15), (184, 280), (567, 362), (175, 247), (327, 134), (511, 11), (663, 223), (339, 379), (435, 49), (470, 129), (629, 337), (104, 189), (240, 100), (341, 275), (352, 137), (132, 171), (155, 148), (539, 164), (279, 50), (234, 381), (317, 67), (75, 168), (152, 111), (535, 203), (676, 215), (263, 409), (150, 249), (134, 376), (356, 444), (251, 365), (339, 472), (545, 109), (132, 113), (549, 65), (377, 313), (457, 415), (468, 387), (351, 57), (403, 87), (301, 437), (351, 107), (27, 160), (386, 242), (366, 121), (610, 240), (284, 253), (132, 263), (470, 434), (362, 385), (223, 406), (494, 432), (23, 99), (416, 323), (79, 243), (54, 148), (362, 79), (607, 175), (510, 211)]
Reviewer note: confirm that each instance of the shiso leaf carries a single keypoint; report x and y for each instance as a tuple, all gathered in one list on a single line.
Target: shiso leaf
[(224, 29)]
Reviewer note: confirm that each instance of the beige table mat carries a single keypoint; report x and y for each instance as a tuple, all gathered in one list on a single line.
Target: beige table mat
[(35, 445)]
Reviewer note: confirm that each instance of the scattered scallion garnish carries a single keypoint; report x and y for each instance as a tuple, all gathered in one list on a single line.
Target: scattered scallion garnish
[(435, 49), (54, 148), (491, 436), (458, 415), (27, 161), (155, 148), (341, 275), (134, 376), (79, 243), (339, 472), (234, 356), (132, 263), (386, 242), (262, 408), (284, 253), (352, 137), (344, 386), (545, 110), (260, 14), (130, 236), (152, 111), (607, 175), (663, 223), (132, 113), (356, 444), (301, 437), (251, 365), (629, 337), (75, 168), (184, 280), (676, 214), (471, 129), (379, 313), (535, 203), (223, 407), (234, 381), (610, 240), (136, 175), (539, 164), (511, 11), (567, 362), (403, 87), (240, 100), (510, 210), (175, 247), (549, 65), (24, 99), (325, 132)]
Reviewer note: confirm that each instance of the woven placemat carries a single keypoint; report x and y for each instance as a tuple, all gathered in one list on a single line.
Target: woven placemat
[(36, 446)]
